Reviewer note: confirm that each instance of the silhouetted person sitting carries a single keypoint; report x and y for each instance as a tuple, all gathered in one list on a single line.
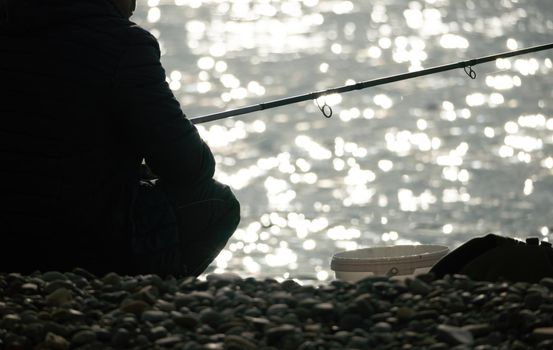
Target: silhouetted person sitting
[(83, 101)]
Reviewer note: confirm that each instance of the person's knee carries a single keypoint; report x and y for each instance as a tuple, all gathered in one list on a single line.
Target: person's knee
[(232, 212)]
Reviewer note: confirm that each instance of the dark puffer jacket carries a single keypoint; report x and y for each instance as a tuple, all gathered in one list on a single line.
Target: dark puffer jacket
[(83, 100)]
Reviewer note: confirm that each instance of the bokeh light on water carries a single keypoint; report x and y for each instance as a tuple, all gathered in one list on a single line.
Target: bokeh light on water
[(437, 159)]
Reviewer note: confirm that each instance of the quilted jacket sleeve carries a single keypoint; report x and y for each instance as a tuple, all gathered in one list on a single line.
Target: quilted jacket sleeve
[(159, 130)]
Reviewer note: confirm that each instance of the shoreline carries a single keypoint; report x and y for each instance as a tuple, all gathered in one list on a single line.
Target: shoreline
[(75, 310)]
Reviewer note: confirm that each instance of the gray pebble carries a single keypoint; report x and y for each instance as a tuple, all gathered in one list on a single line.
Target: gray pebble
[(121, 337), (59, 297), (111, 279), (479, 329), (154, 316), (157, 333), (542, 333), (277, 310), (210, 317), (454, 335), (102, 334), (382, 327), (547, 282), (83, 337), (188, 321), (136, 307), (418, 286), (56, 342), (169, 341), (238, 342), (115, 297), (274, 334), (53, 276), (533, 300)]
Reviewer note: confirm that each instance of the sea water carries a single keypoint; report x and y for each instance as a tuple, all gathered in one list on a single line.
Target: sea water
[(431, 160)]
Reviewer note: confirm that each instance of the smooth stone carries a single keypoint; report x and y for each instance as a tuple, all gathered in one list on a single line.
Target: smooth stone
[(28, 316), (439, 346), (111, 279), (277, 309), (157, 333), (290, 285), (59, 297), (312, 345), (533, 300), (154, 316), (350, 321), (148, 294), (405, 313), (259, 322), (141, 341), (192, 345), (67, 315), (115, 297), (382, 327), (383, 316), (121, 337), (226, 277), (10, 321), (127, 322), (358, 342), (53, 276), (454, 335), (169, 324), (275, 334), (29, 288), (83, 273), (547, 282), (238, 342), (129, 285), (102, 334), (203, 297), (182, 300), (342, 336), (426, 314), (55, 342), (83, 337), (312, 328), (479, 329), (308, 302), (211, 317), (55, 328), (35, 331), (165, 305), (324, 309), (169, 341), (543, 333), (189, 321), (155, 280), (136, 307), (418, 286), (545, 344), (52, 286)]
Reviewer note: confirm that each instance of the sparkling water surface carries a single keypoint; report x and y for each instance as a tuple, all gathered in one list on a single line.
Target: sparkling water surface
[(432, 160)]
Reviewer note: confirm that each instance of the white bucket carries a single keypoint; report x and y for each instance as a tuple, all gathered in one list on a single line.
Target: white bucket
[(400, 261)]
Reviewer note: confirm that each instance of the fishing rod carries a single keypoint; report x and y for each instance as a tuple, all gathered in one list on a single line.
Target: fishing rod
[(327, 110)]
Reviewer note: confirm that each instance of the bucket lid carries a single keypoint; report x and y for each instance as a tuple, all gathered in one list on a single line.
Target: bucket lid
[(380, 260)]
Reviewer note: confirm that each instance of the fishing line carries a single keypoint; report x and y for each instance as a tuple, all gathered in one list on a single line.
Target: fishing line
[(326, 110)]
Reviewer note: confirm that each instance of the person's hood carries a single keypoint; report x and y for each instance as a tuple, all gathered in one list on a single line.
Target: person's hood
[(32, 15)]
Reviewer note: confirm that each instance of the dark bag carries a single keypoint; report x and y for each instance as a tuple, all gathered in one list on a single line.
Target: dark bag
[(495, 258)]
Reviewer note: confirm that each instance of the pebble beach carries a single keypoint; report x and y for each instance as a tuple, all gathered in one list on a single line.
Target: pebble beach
[(76, 310)]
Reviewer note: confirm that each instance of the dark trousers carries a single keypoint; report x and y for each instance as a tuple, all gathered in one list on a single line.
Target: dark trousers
[(179, 232)]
